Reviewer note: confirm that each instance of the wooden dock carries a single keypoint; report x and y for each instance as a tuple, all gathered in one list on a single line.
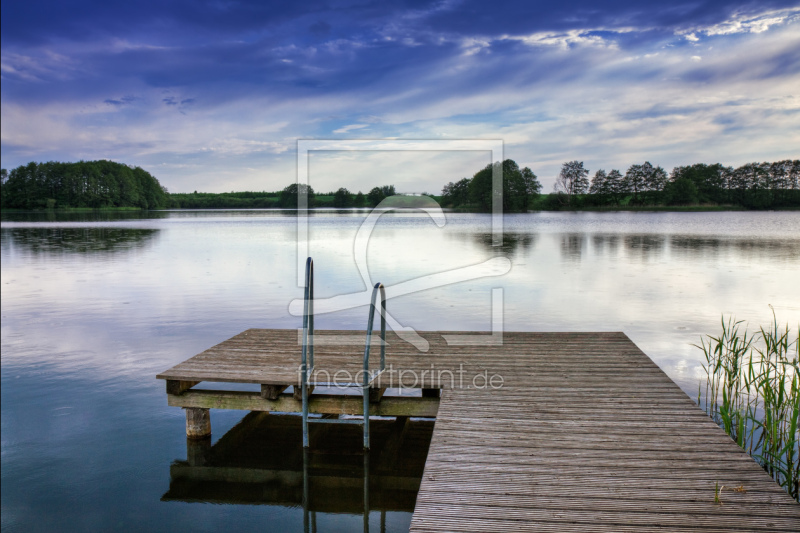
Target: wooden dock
[(546, 432)]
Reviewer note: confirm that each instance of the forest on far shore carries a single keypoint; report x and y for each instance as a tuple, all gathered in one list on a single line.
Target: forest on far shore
[(750, 186), (106, 184)]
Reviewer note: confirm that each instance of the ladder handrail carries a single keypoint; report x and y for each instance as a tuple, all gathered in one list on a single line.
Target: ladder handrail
[(307, 362), (370, 322), (367, 378), (308, 343), (308, 315)]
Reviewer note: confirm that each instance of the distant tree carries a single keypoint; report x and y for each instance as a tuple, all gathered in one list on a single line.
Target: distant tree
[(342, 198), (614, 185), (3, 179), (289, 197), (634, 181), (682, 191), (794, 175), (359, 200), (710, 181), (655, 177), (481, 187), (572, 180), (378, 194), (599, 185), (518, 186), (457, 193), (82, 184), (515, 193), (530, 186), (743, 180)]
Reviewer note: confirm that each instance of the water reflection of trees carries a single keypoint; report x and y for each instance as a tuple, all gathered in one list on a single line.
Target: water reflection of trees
[(512, 243), (60, 241), (709, 247), (602, 244), (648, 246), (572, 246), (54, 215), (645, 247)]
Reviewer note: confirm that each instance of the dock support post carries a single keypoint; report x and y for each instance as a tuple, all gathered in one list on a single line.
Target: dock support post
[(198, 423)]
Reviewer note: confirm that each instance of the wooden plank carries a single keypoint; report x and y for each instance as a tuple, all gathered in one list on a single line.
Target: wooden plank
[(175, 386), (271, 391), (319, 403)]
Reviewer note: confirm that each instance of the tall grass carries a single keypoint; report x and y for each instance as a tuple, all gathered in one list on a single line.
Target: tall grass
[(752, 392)]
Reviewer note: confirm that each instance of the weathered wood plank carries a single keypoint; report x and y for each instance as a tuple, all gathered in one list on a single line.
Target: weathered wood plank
[(319, 403), (178, 387), (271, 391)]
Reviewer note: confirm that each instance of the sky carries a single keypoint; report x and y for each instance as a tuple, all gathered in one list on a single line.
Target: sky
[(214, 95)]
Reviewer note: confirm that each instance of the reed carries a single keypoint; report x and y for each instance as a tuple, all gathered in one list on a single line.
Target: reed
[(752, 391)]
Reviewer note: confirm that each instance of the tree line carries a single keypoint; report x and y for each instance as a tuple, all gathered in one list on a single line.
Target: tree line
[(95, 184), (519, 186), (752, 186), (104, 184), (98, 184), (287, 198)]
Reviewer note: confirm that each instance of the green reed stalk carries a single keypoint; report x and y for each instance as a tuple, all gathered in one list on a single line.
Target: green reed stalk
[(753, 392)]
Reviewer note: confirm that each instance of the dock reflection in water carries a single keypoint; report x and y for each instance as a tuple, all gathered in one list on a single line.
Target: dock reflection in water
[(261, 461)]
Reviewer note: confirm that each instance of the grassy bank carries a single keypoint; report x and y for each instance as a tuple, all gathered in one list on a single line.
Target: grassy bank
[(752, 390)]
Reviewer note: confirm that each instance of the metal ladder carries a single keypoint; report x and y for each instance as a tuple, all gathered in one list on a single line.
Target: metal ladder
[(307, 361)]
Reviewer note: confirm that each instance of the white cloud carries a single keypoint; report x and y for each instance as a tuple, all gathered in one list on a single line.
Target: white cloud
[(741, 23), (351, 127), (563, 39)]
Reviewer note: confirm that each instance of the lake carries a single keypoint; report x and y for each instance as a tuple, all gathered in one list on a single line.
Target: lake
[(95, 305)]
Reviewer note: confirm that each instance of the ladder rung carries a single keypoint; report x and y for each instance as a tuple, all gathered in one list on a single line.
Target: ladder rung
[(357, 421), (336, 385)]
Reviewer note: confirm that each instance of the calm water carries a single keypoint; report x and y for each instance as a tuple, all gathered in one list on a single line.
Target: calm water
[(93, 308)]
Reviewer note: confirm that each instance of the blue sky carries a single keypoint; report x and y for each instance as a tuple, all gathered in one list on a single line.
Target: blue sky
[(213, 96)]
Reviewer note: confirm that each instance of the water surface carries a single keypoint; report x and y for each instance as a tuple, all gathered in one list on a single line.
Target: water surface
[(94, 306)]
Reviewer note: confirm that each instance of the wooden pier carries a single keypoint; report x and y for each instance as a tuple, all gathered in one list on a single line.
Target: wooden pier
[(545, 432)]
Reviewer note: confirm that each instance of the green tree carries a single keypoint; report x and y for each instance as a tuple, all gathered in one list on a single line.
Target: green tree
[(290, 195), (457, 193), (614, 186), (82, 184), (682, 191), (655, 178), (359, 200), (378, 194), (599, 185), (634, 181), (3, 179), (517, 186), (572, 180), (530, 186), (342, 198)]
